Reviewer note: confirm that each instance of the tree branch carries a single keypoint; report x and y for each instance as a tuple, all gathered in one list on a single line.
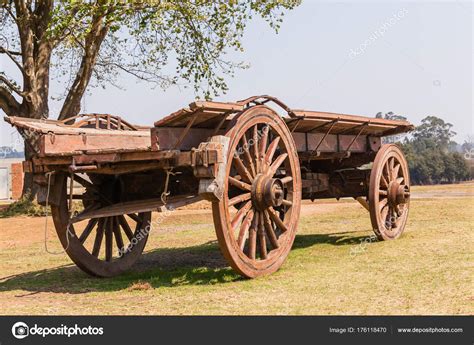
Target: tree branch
[(10, 12), (11, 86), (144, 75), (10, 55), (8, 103), (11, 52), (94, 39)]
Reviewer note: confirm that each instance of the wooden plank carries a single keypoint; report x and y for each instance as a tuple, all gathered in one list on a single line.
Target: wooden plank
[(65, 144), (137, 207), (330, 143), (164, 138), (219, 106), (205, 110), (56, 127), (349, 118)]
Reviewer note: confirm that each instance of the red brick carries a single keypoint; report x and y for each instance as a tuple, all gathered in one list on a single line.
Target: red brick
[(17, 180)]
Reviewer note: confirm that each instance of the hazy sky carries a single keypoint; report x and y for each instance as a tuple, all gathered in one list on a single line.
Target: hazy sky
[(412, 58)]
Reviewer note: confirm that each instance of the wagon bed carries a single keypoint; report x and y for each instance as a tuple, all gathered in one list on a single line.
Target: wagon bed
[(254, 159)]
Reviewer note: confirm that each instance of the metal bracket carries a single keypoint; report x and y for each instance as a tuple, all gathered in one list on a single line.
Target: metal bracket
[(212, 189)]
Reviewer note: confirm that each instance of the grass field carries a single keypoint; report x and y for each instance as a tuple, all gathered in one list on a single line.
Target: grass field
[(334, 267)]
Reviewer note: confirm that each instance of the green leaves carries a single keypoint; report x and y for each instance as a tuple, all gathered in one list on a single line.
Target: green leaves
[(161, 42)]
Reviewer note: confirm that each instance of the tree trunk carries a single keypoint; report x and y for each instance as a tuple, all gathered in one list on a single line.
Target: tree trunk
[(30, 189)]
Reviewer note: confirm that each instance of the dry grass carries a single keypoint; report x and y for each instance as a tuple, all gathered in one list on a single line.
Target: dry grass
[(429, 270), (139, 285)]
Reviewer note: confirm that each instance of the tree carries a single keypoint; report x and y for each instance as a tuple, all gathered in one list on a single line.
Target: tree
[(391, 116), (435, 129), (160, 42), (468, 146), (429, 158)]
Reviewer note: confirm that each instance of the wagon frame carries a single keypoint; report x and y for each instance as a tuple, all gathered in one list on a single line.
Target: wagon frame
[(254, 159)]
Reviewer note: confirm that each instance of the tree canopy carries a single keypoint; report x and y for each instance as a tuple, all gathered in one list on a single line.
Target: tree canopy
[(430, 154), (90, 43)]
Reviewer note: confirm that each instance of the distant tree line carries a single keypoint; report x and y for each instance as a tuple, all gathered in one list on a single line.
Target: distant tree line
[(433, 157)]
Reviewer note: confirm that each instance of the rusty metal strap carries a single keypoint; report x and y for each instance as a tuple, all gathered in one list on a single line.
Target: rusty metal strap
[(185, 132), (362, 127), (331, 123), (265, 99), (325, 135)]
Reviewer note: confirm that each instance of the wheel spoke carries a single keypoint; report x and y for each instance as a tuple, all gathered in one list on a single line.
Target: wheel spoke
[(261, 237), (384, 214), (126, 228), (277, 163), (274, 216), (243, 172), (285, 202), (134, 217), (286, 179), (386, 172), (382, 204), (239, 199), (255, 148), (118, 234), (109, 239), (383, 181), (247, 156), (240, 214), (271, 151), (88, 229), (392, 218), (383, 192), (98, 236), (253, 237), (263, 146), (395, 171), (269, 228), (239, 184), (391, 163), (244, 228), (400, 180)]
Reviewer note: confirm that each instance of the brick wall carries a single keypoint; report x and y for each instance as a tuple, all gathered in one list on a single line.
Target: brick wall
[(17, 180)]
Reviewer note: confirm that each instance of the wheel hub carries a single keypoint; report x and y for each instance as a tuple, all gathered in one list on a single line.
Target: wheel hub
[(267, 191), (398, 193)]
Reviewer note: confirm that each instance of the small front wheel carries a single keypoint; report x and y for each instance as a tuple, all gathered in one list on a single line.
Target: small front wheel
[(389, 192)]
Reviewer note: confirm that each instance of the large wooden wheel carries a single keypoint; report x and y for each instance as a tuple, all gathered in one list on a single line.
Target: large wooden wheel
[(103, 247), (257, 218), (389, 193)]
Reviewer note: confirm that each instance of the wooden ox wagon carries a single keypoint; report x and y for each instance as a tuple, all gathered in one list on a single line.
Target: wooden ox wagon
[(255, 160)]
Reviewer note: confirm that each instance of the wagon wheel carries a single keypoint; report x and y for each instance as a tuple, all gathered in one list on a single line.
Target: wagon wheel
[(257, 218), (389, 193), (106, 246)]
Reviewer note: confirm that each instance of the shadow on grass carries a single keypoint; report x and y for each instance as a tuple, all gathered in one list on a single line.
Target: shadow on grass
[(164, 267)]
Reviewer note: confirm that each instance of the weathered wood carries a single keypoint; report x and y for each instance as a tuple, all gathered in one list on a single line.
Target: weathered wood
[(137, 206), (363, 202), (67, 144)]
